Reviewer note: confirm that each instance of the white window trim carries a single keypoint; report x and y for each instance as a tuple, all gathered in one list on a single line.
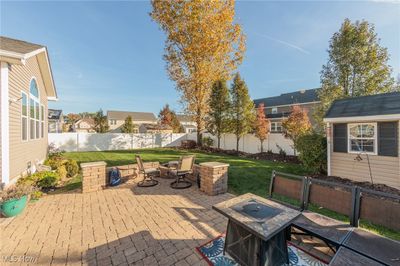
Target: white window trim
[(274, 110), (42, 119), (274, 130), (26, 116), (375, 138), (36, 100)]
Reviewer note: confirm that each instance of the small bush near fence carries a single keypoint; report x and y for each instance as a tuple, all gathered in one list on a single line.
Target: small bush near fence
[(312, 152)]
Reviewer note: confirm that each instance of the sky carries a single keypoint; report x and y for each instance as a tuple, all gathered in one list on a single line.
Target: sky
[(108, 54)]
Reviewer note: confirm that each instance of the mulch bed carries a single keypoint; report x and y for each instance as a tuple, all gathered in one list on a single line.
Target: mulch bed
[(267, 156)]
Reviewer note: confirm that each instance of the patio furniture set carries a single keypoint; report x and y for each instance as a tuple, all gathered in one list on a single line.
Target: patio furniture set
[(173, 169), (258, 229)]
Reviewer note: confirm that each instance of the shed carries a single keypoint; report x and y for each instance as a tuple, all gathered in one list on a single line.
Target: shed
[(363, 138)]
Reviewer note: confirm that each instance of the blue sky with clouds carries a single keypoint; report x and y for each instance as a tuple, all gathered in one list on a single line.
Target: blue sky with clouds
[(109, 54)]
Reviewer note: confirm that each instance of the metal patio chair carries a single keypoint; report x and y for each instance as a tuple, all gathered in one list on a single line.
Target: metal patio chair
[(185, 167), (148, 174)]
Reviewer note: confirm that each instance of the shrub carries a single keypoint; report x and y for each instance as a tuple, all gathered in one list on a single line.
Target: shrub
[(72, 168), (207, 141), (62, 171), (188, 144), (36, 194), (282, 152), (54, 162), (312, 149), (47, 179)]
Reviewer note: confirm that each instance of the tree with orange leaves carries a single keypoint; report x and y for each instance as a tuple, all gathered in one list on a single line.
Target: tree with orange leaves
[(262, 125), (297, 124), (203, 45)]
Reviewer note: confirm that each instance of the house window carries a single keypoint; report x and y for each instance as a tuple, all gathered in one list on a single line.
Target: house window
[(276, 127), (274, 110), (362, 137), (42, 121), (113, 122), (34, 111), (24, 116)]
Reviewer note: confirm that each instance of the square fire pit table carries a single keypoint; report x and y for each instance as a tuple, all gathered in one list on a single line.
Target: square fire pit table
[(257, 230)]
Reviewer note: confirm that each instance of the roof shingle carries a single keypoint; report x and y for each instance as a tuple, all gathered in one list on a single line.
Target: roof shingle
[(379, 104), (303, 96), (17, 46), (136, 116)]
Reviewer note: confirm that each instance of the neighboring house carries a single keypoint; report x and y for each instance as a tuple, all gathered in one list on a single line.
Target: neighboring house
[(155, 128), (26, 87), (117, 118), (187, 123), (363, 138), (55, 121), (278, 108), (85, 125)]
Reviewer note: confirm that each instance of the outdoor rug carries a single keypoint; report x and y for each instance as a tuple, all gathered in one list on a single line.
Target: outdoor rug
[(212, 252)]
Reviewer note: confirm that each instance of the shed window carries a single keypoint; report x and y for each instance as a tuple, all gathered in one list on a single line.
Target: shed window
[(362, 137)]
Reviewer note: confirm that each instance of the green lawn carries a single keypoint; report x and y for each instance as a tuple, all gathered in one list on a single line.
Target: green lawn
[(245, 175)]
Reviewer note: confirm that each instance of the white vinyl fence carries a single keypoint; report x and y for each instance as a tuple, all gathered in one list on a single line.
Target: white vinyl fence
[(122, 141), (114, 141), (251, 144)]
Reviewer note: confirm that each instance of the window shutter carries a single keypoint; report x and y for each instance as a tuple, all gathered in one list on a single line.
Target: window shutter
[(388, 136), (340, 137)]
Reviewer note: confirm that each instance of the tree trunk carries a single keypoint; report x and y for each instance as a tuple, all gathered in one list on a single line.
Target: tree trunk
[(262, 148), (199, 140), (237, 143), (219, 141)]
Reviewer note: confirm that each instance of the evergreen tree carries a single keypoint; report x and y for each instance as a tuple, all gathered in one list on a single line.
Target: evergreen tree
[(128, 126), (217, 120), (262, 125), (357, 66), (100, 122), (242, 109)]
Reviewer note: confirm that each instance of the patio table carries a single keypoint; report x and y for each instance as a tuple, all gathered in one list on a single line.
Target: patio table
[(376, 247), (345, 256), (257, 229)]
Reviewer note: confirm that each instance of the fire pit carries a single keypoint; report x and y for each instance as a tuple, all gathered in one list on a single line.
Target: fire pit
[(257, 230)]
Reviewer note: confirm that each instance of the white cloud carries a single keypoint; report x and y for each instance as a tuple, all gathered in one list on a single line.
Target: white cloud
[(288, 44)]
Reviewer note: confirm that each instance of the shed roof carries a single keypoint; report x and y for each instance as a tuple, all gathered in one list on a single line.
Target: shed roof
[(372, 105), (297, 97), (136, 116)]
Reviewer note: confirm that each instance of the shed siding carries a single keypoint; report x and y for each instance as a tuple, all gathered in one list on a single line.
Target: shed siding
[(385, 169), (22, 152)]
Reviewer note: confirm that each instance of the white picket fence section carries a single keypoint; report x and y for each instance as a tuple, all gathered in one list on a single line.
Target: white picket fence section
[(120, 141)]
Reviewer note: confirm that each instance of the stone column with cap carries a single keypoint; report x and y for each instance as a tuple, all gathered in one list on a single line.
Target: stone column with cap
[(214, 178), (94, 176)]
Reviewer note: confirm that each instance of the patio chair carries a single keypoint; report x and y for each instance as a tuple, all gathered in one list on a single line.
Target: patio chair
[(185, 167), (148, 174)]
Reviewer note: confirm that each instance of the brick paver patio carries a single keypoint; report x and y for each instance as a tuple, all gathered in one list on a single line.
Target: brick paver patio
[(120, 226)]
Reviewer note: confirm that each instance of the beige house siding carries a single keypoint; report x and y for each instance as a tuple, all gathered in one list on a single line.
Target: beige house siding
[(385, 169), (23, 152)]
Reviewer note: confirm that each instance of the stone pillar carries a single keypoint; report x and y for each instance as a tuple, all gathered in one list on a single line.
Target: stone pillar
[(214, 178), (94, 176)]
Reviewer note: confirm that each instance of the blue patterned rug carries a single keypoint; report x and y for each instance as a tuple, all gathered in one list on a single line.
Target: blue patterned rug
[(213, 253)]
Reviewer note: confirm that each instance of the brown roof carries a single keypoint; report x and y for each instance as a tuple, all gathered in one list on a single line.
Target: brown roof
[(88, 120), (184, 118), (17, 46), (136, 116), (156, 127)]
